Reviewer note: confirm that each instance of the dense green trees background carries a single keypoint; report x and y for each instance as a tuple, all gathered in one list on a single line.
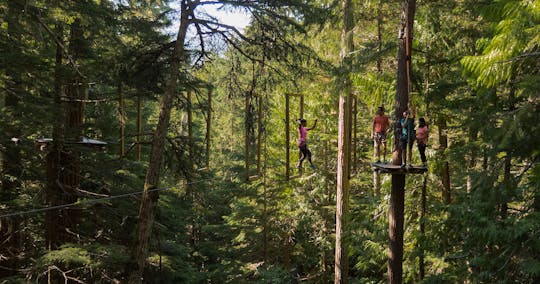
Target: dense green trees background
[(475, 78)]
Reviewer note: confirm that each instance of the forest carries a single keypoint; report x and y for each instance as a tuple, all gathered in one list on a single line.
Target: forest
[(151, 141)]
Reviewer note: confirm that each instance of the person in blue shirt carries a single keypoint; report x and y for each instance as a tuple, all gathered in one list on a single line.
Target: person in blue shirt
[(407, 137)]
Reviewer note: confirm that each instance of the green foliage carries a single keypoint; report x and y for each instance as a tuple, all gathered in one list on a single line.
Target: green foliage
[(475, 78)]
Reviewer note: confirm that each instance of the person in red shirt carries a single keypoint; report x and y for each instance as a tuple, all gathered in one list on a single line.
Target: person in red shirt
[(422, 139), (378, 133)]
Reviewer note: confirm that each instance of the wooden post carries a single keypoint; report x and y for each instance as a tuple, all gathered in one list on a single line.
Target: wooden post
[(355, 132), (301, 105), (397, 195), (121, 119), (423, 228), (287, 138), (259, 132), (190, 126), (208, 128), (139, 127), (247, 138), (376, 182)]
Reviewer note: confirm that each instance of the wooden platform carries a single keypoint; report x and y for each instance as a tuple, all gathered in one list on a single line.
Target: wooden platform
[(393, 169)]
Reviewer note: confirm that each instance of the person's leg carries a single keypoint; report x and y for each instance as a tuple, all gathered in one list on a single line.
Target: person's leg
[(409, 157), (303, 157), (383, 141), (375, 147), (422, 150), (403, 148), (309, 159)]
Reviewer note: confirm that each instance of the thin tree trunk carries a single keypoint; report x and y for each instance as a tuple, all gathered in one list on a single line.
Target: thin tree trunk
[(139, 127), (341, 262), (11, 164), (423, 228), (149, 199), (259, 132), (445, 170), (397, 196), (355, 133), (190, 128), (247, 138), (379, 36), (208, 128), (287, 138), (121, 120), (53, 156)]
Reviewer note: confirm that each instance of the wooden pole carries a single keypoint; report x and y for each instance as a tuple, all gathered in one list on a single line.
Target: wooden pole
[(246, 136), (423, 228), (190, 126), (121, 119), (259, 132), (139, 127), (208, 128), (287, 138), (397, 195), (355, 132), (301, 105)]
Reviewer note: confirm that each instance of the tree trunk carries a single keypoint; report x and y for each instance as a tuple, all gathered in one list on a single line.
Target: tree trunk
[(53, 156), (149, 199), (445, 171), (287, 138), (344, 134), (139, 127), (247, 138), (11, 166), (208, 128), (259, 132), (397, 197), (121, 120), (423, 228)]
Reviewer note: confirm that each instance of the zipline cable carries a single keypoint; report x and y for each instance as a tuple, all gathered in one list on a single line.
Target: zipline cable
[(90, 201)]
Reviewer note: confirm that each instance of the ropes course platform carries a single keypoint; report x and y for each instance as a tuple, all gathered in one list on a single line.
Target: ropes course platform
[(394, 169)]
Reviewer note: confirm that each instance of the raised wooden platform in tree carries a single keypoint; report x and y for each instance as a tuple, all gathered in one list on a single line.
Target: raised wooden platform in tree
[(393, 169)]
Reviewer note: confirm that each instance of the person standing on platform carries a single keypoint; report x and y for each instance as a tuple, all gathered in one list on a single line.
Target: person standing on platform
[(422, 139), (407, 137), (378, 133)]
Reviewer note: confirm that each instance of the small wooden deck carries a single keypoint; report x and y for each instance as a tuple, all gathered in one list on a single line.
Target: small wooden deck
[(394, 169)]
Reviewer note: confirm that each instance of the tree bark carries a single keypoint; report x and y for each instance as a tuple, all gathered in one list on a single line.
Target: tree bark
[(150, 199), (247, 138), (423, 228), (287, 138), (397, 195), (53, 156), (139, 127), (259, 131), (208, 128), (344, 155), (445, 171), (11, 166), (121, 120)]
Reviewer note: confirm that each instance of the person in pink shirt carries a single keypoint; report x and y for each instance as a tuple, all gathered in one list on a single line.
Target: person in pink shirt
[(422, 139), (378, 133), (302, 142)]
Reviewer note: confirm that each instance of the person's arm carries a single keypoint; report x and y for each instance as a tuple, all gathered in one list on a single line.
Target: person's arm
[(314, 125)]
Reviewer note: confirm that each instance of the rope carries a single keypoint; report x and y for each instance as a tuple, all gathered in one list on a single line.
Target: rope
[(89, 201)]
